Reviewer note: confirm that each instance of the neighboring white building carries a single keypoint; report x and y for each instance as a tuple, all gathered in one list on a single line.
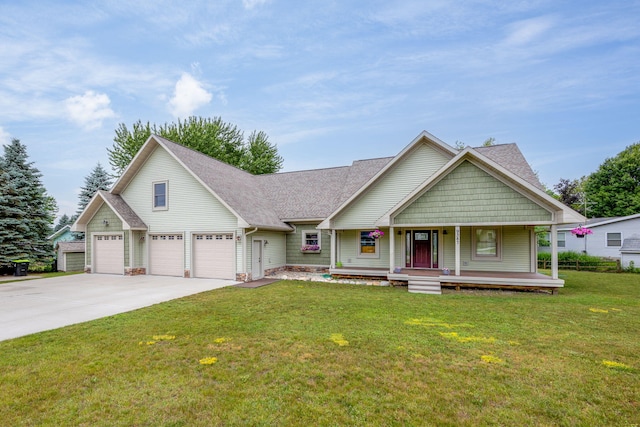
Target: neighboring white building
[(605, 241), (631, 251)]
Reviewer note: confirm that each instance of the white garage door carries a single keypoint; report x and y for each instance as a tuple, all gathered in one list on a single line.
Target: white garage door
[(166, 255), (214, 255), (108, 255)]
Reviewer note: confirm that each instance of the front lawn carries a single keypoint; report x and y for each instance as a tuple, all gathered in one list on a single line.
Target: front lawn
[(301, 353)]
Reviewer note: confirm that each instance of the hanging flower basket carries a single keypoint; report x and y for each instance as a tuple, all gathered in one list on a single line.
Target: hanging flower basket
[(580, 232), (376, 234)]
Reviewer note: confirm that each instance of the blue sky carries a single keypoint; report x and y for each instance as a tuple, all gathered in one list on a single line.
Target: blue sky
[(329, 81)]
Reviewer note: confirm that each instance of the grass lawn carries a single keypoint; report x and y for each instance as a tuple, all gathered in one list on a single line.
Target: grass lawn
[(301, 353)]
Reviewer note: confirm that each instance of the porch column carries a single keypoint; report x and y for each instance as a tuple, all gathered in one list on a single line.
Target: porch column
[(333, 248), (457, 250), (554, 251), (392, 249)]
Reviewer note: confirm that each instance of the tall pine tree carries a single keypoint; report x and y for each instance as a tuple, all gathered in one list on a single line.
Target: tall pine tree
[(98, 179), (26, 211)]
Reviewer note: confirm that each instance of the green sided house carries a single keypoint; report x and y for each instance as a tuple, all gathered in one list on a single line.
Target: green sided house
[(431, 216)]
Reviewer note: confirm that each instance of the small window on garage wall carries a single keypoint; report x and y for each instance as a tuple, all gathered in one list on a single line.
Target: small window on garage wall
[(160, 195)]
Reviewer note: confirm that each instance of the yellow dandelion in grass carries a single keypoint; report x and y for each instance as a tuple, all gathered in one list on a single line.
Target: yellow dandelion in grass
[(339, 339), (164, 337), (615, 309), (489, 358), (616, 365), (452, 335), (598, 310), (429, 323), (150, 342), (457, 337), (220, 340), (208, 360)]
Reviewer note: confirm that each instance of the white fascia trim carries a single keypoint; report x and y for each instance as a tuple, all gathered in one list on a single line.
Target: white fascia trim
[(423, 135), (241, 222), (557, 209)]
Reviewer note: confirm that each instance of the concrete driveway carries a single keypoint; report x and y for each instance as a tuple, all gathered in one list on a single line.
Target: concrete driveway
[(31, 306)]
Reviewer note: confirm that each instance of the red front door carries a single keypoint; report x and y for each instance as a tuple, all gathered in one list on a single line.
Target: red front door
[(422, 249)]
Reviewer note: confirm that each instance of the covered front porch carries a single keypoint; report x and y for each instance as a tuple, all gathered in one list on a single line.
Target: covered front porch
[(432, 281)]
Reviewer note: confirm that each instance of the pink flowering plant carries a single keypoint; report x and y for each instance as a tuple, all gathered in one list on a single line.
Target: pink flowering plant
[(376, 234), (310, 248), (581, 231)]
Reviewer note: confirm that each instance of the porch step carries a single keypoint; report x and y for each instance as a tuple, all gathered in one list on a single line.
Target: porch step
[(425, 287)]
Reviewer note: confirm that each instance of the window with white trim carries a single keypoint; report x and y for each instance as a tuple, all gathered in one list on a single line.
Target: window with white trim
[(160, 195), (614, 239), (368, 247), (562, 239), (311, 241), (486, 243)]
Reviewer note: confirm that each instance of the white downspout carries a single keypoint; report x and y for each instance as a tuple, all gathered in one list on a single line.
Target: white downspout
[(244, 252)]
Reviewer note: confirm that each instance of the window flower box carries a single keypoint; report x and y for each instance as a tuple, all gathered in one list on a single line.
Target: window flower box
[(310, 249)]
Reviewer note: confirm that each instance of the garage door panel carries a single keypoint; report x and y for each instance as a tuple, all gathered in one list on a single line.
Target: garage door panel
[(109, 254), (214, 256), (166, 255)]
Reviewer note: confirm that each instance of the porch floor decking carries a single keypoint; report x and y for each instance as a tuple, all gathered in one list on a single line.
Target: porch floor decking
[(467, 278)]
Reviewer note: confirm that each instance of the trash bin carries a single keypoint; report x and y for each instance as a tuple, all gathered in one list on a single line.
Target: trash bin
[(21, 267)]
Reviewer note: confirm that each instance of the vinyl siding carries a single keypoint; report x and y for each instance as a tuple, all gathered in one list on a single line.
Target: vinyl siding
[(74, 261), (191, 208), (139, 249), (96, 225), (348, 241), (417, 166), (516, 251), (274, 254), (470, 195), (294, 243)]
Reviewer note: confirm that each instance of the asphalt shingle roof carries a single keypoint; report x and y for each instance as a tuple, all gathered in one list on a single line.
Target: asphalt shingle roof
[(631, 244), (237, 188), (266, 200), (510, 157), (73, 246), (317, 193), (124, 210)]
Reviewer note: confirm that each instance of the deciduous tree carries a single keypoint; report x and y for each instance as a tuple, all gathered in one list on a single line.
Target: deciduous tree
[(614, 189), (211, 136)]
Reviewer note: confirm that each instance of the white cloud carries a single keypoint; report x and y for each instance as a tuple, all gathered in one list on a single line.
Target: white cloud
[(188, 96), (528, 30), (250, 4), (5, 137), (89, 110)]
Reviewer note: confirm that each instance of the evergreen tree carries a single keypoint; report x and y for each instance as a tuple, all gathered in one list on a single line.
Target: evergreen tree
[(26, 211), (98, 179), (62, 221), (211, 136)]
